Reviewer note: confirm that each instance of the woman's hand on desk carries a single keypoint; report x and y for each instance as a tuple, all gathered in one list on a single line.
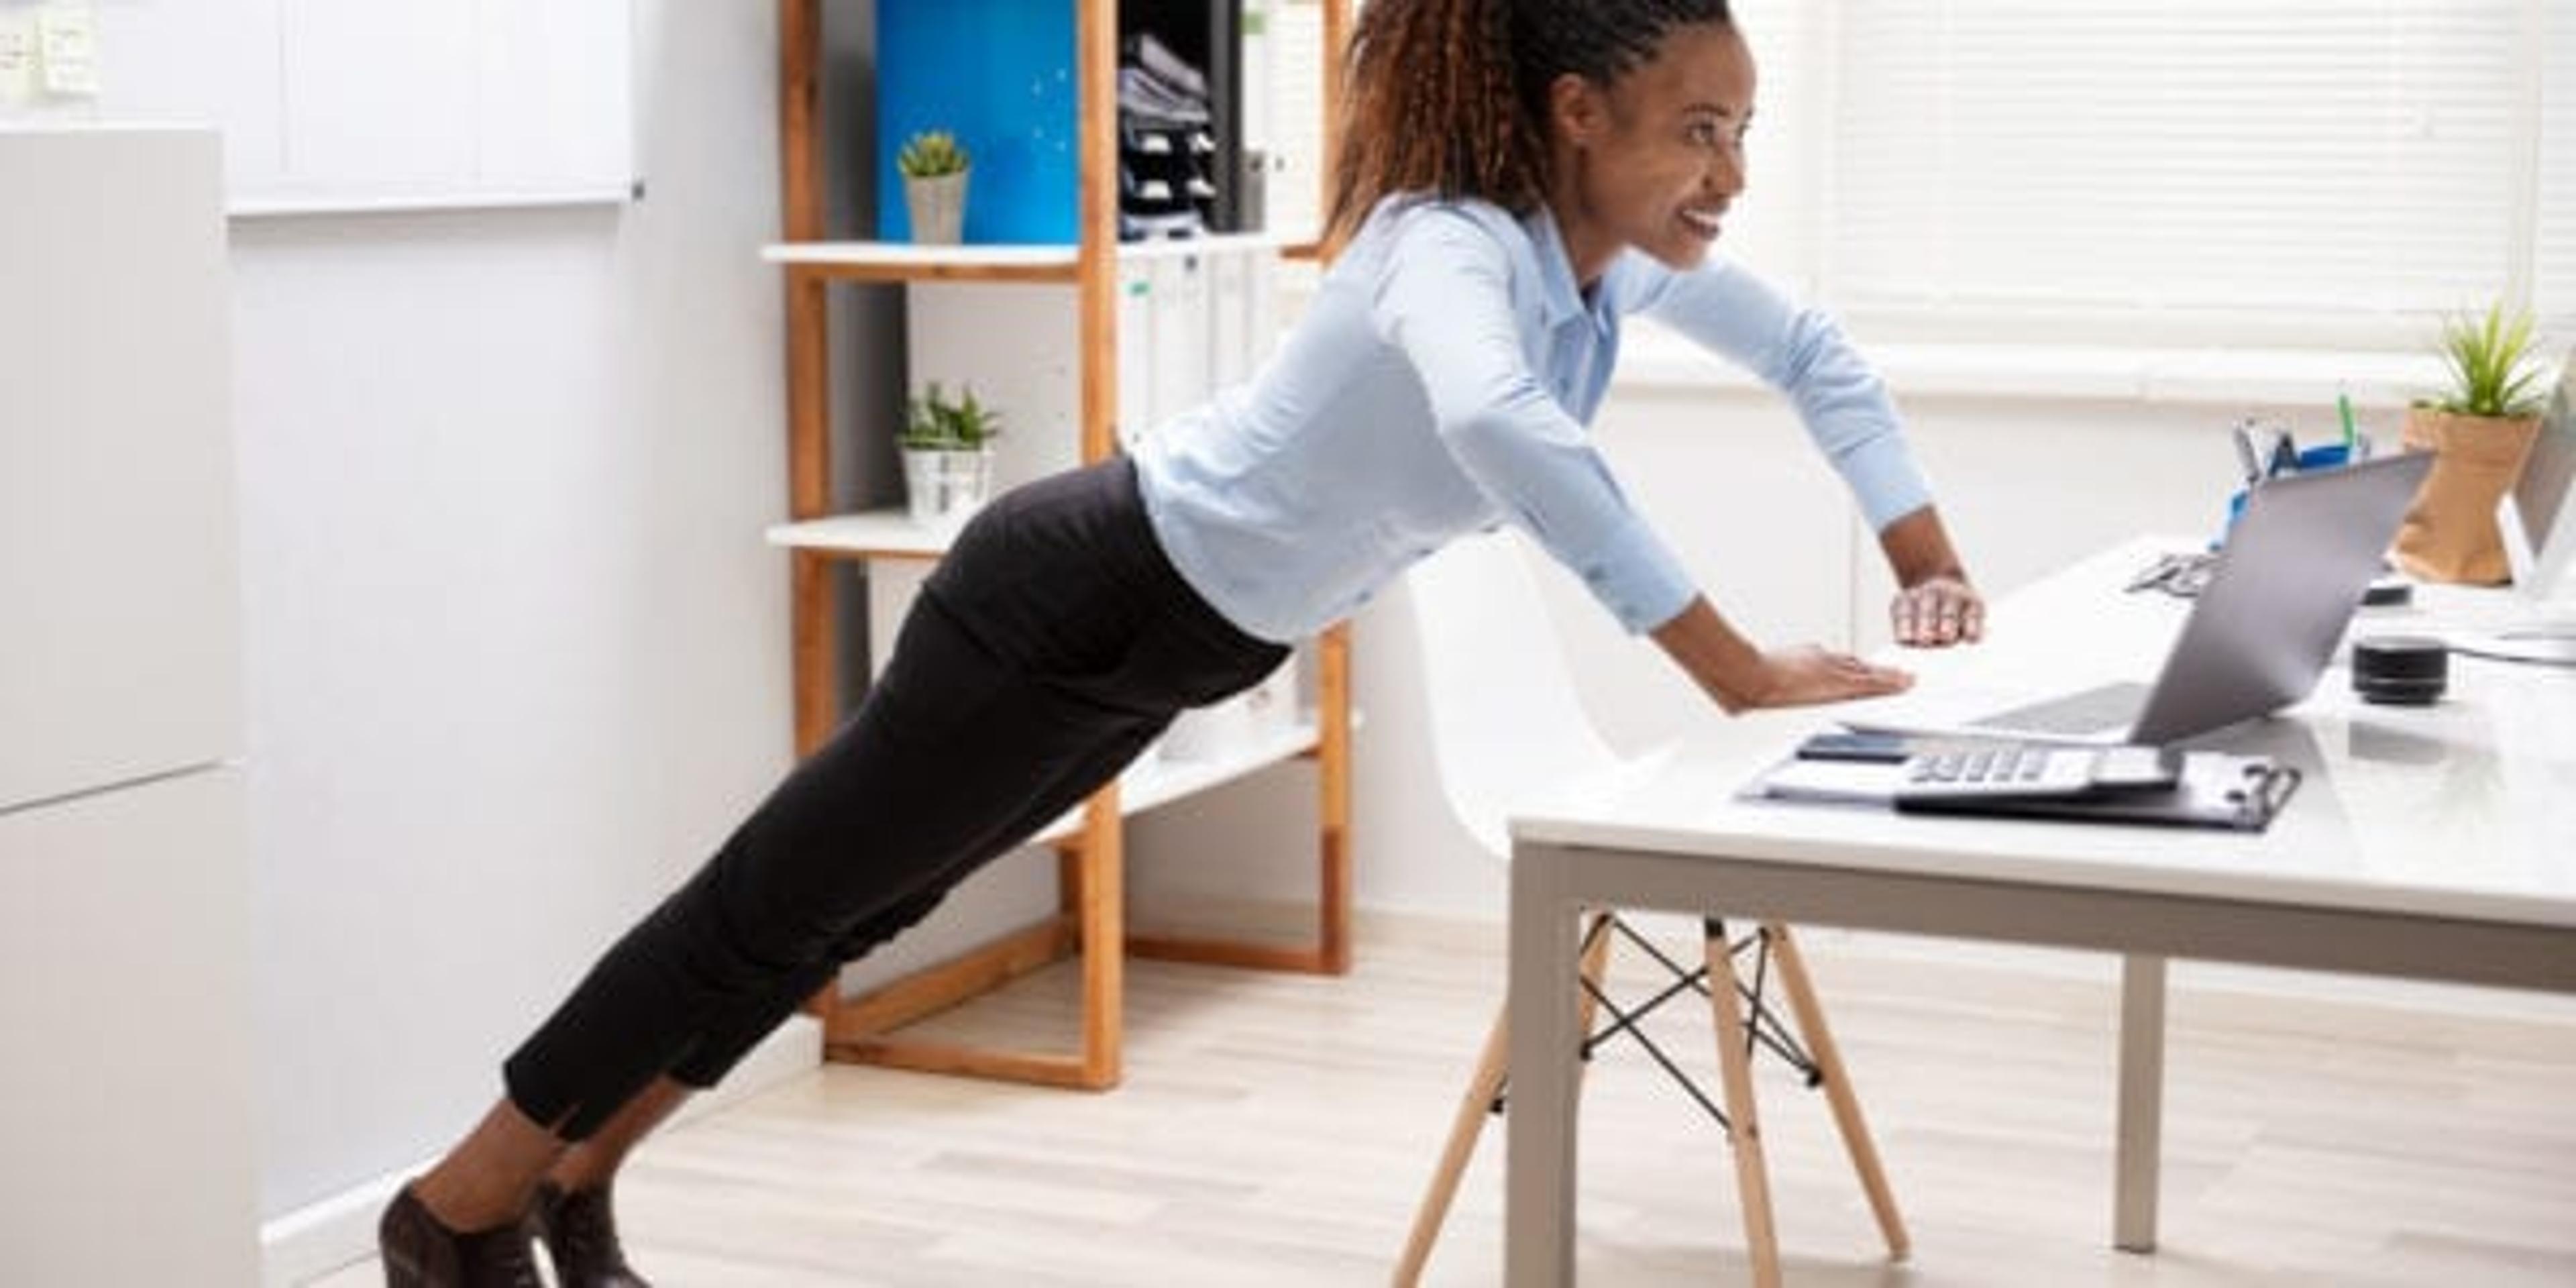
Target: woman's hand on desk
[(1741, 677), (1937, 612), (1809, 674)]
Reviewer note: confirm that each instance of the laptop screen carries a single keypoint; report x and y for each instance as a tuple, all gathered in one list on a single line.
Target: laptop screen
[(2539, 523)]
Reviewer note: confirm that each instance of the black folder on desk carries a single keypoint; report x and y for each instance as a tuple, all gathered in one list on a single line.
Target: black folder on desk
[(2215, 790)]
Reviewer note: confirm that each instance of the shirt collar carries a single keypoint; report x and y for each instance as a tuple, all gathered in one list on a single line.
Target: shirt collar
[(1563, 301)]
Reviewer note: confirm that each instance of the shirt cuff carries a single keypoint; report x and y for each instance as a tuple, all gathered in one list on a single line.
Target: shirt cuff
[(1637, 578), (1886, 482)]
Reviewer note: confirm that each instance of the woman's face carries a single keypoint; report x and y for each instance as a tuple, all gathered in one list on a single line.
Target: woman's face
[(1653, 160)]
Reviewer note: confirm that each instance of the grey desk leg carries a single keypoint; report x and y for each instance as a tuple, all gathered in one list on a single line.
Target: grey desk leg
[(1538, 1225), (2142, 1102)]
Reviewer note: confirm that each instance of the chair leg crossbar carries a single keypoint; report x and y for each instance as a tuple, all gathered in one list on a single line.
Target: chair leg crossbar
[(1765, 1028), (1742, 1031)]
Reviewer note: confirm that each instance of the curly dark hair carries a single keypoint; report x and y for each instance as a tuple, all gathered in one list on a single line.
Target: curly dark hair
[(1449, 97)]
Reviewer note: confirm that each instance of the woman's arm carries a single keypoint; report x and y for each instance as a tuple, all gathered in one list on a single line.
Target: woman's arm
[(1444, 298), (1848, 413), (1801, 352)]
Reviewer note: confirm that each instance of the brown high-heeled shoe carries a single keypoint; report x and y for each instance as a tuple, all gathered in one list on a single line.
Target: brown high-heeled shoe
[(421, 1252), (580, 1233)]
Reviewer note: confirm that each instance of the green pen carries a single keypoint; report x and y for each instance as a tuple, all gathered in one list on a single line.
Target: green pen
[(2351, 436)]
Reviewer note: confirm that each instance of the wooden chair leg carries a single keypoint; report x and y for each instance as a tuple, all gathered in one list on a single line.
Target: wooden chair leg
[(1464, 1128), (1468, 1124), (1819, 1040), (1735, 1069)]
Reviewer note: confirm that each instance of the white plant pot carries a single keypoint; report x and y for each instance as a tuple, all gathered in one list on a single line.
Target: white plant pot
[(943, 489), (938, 208)]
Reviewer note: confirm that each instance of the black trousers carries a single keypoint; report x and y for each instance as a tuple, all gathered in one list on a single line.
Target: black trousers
[(1051, 645)]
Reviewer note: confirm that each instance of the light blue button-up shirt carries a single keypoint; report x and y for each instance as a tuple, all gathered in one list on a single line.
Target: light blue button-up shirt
[(1441, 383)]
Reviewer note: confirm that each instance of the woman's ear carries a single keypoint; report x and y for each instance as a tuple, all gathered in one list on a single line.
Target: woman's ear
[(1578, 108)]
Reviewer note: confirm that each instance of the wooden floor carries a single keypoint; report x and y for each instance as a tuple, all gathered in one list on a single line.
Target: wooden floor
[(1275, 1130)]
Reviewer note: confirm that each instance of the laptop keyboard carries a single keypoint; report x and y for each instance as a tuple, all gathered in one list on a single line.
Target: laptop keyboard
[(2112, 706)]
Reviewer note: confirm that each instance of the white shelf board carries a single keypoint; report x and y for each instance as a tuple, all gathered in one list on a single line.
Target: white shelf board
[(909, 256), (287, 205), (1156, 780), (887, 533)]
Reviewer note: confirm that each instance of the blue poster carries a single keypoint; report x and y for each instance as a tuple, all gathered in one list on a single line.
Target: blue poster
[(998, 74)]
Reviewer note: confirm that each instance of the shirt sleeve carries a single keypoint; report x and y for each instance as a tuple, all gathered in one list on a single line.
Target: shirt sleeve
[(1443, 297), (1801, 352)]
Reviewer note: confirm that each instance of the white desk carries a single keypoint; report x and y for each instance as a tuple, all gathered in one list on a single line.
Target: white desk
[(2437, 843)]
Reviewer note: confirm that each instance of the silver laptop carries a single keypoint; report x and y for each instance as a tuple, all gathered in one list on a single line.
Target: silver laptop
[(2258, 636)]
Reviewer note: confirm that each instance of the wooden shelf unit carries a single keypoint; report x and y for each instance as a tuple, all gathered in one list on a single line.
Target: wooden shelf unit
[(1090, 918)]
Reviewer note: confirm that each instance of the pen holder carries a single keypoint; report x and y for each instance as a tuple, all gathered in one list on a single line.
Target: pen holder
[(2324, 456)]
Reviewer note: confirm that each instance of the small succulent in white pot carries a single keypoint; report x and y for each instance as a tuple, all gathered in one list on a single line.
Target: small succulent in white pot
[(934, 167)]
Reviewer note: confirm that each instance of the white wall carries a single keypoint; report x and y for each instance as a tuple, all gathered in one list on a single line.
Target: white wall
[(517, 657)]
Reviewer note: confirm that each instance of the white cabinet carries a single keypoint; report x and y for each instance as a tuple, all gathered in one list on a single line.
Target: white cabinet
[(124, 878), (124, 991), (119, 595)]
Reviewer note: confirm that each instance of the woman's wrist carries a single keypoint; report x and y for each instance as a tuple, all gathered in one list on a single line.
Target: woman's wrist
[(1724, 664), (1918, 549)]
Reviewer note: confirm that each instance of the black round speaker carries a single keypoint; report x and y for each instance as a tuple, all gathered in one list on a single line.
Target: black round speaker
[(2403, 670)]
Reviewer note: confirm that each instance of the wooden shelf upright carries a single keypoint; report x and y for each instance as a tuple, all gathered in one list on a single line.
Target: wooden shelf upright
[(1090, 917)]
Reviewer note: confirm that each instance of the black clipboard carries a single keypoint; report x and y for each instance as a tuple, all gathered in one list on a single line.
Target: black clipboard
[(2215, 789)]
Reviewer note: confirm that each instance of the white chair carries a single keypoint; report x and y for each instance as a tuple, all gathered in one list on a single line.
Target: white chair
[(1505, 723)]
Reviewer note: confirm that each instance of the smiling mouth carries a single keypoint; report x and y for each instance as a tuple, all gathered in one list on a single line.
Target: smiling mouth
[(1704, 222)]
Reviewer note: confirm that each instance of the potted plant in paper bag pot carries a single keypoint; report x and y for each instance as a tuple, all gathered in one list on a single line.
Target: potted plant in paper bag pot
[(2479, 430), (934, 171), (947, 456)]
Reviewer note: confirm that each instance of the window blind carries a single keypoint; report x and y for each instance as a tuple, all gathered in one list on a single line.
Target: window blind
[(2210, 159), (2556, 268), (1772, 225)]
